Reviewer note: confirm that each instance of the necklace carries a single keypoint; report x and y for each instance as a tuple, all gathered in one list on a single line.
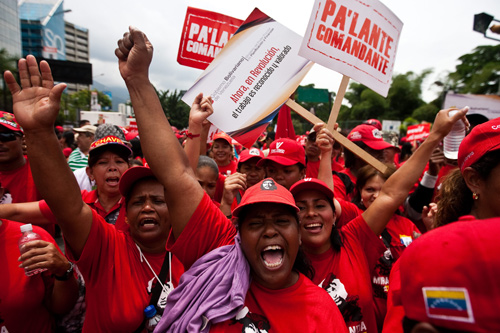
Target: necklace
[(143, 259)]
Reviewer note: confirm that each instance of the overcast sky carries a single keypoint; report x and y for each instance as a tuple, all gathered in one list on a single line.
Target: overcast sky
[(435, 33)]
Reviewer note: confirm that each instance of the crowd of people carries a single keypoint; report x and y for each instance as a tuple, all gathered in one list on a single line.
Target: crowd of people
[(285, 236)]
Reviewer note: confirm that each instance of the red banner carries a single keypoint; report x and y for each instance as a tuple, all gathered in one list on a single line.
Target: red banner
[(418, 132), (203, 36)]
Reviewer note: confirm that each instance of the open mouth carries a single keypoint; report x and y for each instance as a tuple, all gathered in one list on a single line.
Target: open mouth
[(313, 227), (148, 224), (112, 181), (272, 256)]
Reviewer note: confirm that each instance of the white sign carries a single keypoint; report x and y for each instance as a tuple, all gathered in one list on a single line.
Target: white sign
[(251, 77), (356, 38)]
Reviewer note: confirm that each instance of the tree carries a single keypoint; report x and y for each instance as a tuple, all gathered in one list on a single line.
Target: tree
[(478, 72), (176, 111), (7, 62), (80, 100), (403, 98)]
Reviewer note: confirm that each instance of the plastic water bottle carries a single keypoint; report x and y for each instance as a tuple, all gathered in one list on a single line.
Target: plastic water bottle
[(452, 141), (152, 318), (28, 236)]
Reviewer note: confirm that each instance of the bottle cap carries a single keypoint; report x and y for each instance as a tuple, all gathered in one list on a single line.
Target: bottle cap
[(150, 311), (26, 227)]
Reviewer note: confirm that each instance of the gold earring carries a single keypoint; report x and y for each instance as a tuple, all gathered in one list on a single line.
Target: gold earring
[(475, 196), (126, 220)]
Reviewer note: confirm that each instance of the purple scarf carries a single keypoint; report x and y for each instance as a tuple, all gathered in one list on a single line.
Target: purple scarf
[(211, 291)]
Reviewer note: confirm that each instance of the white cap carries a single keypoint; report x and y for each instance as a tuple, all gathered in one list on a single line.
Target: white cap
[(26, 227)]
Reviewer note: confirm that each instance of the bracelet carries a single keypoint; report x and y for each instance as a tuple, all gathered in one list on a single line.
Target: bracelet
[(191, 135), (67, 274)]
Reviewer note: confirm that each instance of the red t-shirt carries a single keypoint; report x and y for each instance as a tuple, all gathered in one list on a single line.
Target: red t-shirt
[(21, 297), (301, 307), (118, 284), (349, 212), (345, 275), (116, 215), (339, 187), (231, 167), (312, 169), (400, 233), (21, 186)]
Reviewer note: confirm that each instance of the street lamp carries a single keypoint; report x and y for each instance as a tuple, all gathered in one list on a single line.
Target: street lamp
[(482, 22)]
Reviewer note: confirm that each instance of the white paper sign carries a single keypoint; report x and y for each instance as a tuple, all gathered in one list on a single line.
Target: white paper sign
[(356, 38), (252, 76)]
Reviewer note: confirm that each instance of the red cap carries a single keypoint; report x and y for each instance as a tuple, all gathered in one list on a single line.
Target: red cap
[(223, 136), (481, 140), (449, 277), (249, 154), (109, 142), (370, 136), (131, 176), (374, 122), (8, 121), (286, 152), (266, 191), (312, 184)]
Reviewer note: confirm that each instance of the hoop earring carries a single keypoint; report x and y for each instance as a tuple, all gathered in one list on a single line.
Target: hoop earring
[(475, 196)]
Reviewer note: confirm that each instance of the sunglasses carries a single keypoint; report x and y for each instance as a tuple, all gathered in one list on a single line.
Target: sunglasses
[(8, 136)]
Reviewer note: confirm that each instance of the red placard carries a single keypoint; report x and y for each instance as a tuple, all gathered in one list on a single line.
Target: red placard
[(418, 132), (203, 36)]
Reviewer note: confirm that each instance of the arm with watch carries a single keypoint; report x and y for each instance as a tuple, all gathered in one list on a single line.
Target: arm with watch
[(42, 254)]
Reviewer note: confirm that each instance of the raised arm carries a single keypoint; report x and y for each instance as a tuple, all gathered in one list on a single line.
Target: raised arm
[(396, 188), (324, 140), (197, 134), (165, 156), (36, 105)]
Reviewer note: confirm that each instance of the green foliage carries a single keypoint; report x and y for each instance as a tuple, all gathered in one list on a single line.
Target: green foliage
[(176, 111), (478, 72), (426, 112), (7, 62), (80, 100), (403, 99)]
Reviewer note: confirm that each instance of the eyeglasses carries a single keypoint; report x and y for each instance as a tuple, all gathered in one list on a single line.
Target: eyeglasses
[(7, 136)]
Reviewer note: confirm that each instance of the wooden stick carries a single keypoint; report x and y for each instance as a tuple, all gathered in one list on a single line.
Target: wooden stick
[(338, 137), (338, 102)]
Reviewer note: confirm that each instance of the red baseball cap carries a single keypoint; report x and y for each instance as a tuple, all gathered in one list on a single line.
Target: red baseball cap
[(109, 142), (482, 139), (133, 175), (248, 154), (286, 152), (374, 122), (223, 136), (8, 120), (266, 190), (449, 277), (312, 184), (370, 136)]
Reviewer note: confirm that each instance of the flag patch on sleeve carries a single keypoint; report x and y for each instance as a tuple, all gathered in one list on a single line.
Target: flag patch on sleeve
[(448, 304)]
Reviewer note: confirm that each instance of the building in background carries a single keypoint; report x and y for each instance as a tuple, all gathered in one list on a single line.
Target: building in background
[(42, 28), (77, 49), (10, 32)]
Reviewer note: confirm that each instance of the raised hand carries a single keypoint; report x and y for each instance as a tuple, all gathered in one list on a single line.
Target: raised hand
[(324, 138), (36, 101), (134, 53), (201, 109), (443, 122)]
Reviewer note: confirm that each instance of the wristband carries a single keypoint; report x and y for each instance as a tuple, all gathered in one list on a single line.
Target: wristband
[(191, 135), (67, 274)]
